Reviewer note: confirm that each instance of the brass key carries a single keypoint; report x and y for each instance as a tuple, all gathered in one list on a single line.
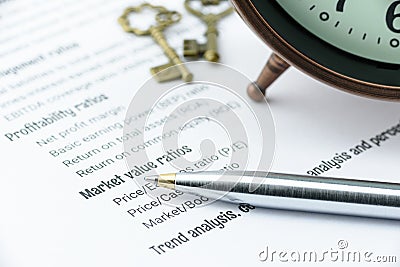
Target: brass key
[(191, 48), (164, 18)]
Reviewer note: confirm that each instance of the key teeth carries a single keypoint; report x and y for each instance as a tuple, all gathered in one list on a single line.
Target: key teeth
[(166, 72), (190, 48)]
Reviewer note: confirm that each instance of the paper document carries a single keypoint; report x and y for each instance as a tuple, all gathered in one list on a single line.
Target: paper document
[(68, 77)]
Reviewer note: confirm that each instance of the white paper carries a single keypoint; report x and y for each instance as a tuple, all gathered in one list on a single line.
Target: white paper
[(56, 54)]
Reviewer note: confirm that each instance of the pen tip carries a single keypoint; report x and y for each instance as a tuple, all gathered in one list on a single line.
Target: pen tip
[(152, 178)]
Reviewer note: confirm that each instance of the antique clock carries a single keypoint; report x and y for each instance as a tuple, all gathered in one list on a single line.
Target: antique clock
[(353, 45)]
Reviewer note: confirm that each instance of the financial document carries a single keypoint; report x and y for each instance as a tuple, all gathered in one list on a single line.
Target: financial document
[(70, 197)]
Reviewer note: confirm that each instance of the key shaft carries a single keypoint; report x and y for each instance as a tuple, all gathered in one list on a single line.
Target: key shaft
[(209, 50), (211, 53), (159, 38)]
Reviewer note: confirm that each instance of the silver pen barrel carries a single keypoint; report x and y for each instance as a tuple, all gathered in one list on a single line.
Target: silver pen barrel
[(293, 192)]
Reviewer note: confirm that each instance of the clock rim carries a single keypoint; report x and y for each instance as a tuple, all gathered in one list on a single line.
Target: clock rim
[(249, 13)]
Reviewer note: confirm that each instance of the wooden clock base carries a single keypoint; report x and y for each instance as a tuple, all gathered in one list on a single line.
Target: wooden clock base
[(273, 69)]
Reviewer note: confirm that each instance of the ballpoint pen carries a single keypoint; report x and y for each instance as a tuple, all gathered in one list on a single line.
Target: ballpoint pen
[(290, 192)]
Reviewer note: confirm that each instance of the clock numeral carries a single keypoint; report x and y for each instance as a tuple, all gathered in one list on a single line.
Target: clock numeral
[(391, 16), (340, 5)]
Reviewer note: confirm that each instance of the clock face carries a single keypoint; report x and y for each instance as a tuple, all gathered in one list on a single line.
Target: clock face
[(365, 28)]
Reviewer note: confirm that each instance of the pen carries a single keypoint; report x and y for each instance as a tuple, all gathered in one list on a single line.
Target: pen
[(290, 192)]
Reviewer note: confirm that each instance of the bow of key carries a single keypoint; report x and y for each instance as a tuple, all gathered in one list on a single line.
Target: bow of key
[(173, 70)]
